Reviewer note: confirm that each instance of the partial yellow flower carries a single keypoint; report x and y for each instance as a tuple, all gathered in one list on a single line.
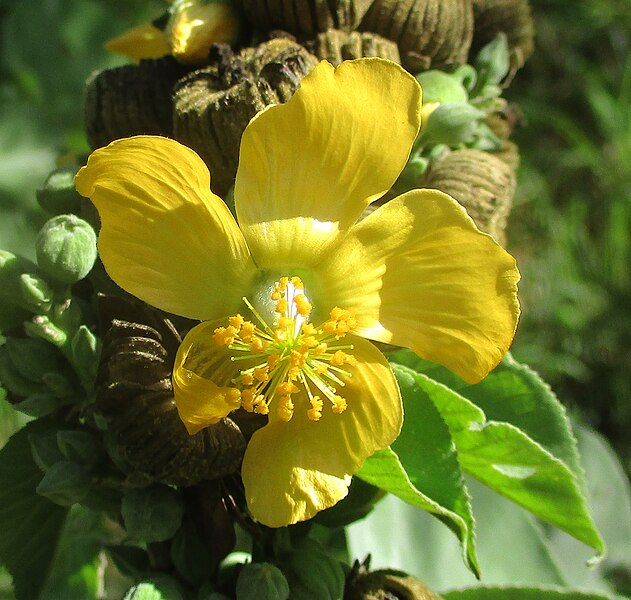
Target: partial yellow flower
[(191, 29), (288, 296)]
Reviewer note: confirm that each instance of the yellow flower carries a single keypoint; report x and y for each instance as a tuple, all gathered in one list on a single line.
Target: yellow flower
[(191, 30), (316, 281)]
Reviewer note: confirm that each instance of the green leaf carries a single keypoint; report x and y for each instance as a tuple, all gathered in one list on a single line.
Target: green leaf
[(422, 467), (526, 593), (30, 523), (504, 458), (159, 588), (512, 393), (152, 514)]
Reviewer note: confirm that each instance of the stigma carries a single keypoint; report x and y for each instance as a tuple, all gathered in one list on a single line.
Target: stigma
[(292, 361)]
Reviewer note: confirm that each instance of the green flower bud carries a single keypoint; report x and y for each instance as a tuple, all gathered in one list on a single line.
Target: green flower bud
[(20, 285), (85, 347), (13, 380), (452, 124), (493, 61), (33, 357), (262, 581), (36, 293), (41, 326), (65, 483), (79, 446), (160, 588), (58, 194), (66, 248), (44, 449), (153, 514), (442, 87), (38, 405)]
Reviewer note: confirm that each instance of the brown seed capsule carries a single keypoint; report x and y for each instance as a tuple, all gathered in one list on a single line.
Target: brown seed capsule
[(512, 17), (213, 105), (304, 18), (335, 46), (429, 32), (131, 100), (135, 396), (385, 585), (481, 182)]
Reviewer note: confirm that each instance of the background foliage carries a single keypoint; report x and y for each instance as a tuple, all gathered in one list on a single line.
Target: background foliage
[(570, 230)]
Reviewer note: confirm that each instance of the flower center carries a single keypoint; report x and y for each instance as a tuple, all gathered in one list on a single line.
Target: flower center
[(291, 355)]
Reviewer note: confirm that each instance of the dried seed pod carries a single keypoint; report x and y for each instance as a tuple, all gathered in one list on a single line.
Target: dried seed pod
[(335, 46), (213, 105), (513, 17), (131, 100), (429, 32), (384, 585), (481, 182), (304, 18), (135, 395)]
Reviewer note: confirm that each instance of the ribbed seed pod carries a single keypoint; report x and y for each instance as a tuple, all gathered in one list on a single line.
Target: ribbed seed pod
[(213, 105), (135, 396), (429, 32), (513, 17), (336, 45), (509, 154), (481, 182), (131, 100), (385, 584), (304, 18)]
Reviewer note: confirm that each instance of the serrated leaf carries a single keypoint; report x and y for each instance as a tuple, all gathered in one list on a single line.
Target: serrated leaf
[(505, 459), (422, 466), (512, 393), (525, 593), (30, 524)]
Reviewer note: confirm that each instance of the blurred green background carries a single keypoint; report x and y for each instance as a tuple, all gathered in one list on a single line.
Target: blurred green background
[(571, 224)]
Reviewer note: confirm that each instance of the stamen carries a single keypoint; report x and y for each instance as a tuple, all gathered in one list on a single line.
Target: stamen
[(288, 356)]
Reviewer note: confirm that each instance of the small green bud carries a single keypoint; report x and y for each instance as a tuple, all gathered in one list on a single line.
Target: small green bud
[(152, 514), (41, 326), (20, 285), (453, 124), (66, 248), (493, 61), (85, 347), (13, 380), (262, 581), (442, 87), (58, 194), (65, 483), (79, 446), (160, 588), (33, 357), (37, 295), (38, 405), (44, 449)]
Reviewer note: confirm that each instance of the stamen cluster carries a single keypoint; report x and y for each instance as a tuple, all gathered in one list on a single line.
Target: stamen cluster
[(291, 356)]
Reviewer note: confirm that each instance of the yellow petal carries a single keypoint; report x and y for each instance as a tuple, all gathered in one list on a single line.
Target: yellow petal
[(308, 168), (144, 41), (194, 29), (201, 375), (165, 237), (421, 275), (293, 470)]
